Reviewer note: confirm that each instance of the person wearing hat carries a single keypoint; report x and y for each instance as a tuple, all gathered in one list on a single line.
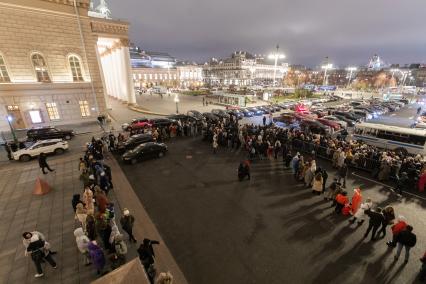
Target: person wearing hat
[(360, 213), (127, 221), (39, 251)]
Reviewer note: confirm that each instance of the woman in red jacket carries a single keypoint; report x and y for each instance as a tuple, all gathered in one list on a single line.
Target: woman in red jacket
[(400, 226), (341, 201)]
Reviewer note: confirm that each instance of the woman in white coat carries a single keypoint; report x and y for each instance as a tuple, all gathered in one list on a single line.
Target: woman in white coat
[(317, 184), (360, 213)]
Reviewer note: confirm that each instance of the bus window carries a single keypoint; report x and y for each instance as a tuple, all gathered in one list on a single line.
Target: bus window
[(418, 140)]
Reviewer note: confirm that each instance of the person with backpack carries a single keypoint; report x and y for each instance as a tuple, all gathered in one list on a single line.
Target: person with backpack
[(406, 239), (120, 251), (400, 226), (39, 250)]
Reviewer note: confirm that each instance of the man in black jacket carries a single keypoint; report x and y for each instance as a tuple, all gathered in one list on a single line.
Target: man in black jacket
[(405, 239), (39, 253), (42, 161), (343, 171), (376, 219)]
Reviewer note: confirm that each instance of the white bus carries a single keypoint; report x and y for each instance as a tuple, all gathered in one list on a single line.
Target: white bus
[(406, 140)]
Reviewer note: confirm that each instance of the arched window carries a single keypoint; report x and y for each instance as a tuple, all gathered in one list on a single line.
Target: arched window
[(4, 76), (75, 65), (40, 68)]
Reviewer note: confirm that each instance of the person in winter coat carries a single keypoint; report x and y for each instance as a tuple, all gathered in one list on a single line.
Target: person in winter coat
[(376, 219), (402, 182), (120, 249), (42, 162), (81, 214), (88, 201), (422, 181), (406, 239), (127, 221), (101, 200), (295, 164), (75, 200), (356, 201), (164, 278), (39, 253), (82, 242), (97, 256), (146, 252), (243, 171), (91, 227), (343, 171), (104, 182), (389, 216), (400, 226), (114, 232), (360, 213), (341, 201), (324, 179), (385, 170), (331, 190), (317, 184)]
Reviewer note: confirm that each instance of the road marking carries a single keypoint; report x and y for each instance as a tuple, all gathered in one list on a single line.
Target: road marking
[(388, 186)]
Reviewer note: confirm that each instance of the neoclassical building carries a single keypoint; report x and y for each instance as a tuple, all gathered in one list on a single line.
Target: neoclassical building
[(58, 62)]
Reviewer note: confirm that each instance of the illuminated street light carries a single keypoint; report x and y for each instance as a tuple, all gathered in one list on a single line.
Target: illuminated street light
[(351, 70), (276, 56), (176, 99), (326, 67)]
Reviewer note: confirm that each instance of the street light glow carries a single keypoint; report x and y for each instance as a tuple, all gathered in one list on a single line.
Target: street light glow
[(9, 118)]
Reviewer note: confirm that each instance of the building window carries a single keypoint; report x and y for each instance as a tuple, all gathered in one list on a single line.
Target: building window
[(155, 76), (84, 108), (75, 69), (150, 76), (175, 76), (4, 76), (52, 111), (161, 76), (35, 116), (40, 68), (144, 76)]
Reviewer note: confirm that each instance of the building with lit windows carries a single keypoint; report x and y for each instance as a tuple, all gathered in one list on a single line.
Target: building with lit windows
[(190, 75), (58, 61), (242, 69)]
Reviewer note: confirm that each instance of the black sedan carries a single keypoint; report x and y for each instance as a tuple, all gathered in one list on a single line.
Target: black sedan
[(134, 141), (220, 113), (236, 113), (195, 113), (210, 117), (247, 113), (161, 122), (145, 151), (255, 111), (183, 118)]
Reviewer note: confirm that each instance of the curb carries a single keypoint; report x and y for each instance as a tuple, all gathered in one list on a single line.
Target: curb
[(135, 108)]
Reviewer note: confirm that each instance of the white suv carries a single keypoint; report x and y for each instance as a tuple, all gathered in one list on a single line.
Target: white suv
[(56, 146)]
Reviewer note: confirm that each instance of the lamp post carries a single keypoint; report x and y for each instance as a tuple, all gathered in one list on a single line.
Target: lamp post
[(351, 70), (9, 119), (276, 56), (326, 67), (176, 99)]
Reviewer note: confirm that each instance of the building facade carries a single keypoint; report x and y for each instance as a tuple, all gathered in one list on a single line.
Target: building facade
[(190, 75), (146, 77), (242, 69), (55, 63)]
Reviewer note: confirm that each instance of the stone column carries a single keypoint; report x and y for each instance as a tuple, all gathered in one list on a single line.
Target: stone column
[(115, 74), (128, 76)]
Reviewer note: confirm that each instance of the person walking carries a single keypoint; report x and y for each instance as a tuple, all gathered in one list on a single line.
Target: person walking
[(127, 221), (264, 120), (343, 171), (376, 219), (360, 213), (406, 239), (400, 226), (39, 252), (389, 216), (317, 184), (42, 162), (341, 201)]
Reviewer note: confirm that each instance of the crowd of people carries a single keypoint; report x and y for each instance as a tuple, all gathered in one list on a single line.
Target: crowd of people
[(97, 234), (270, 142)]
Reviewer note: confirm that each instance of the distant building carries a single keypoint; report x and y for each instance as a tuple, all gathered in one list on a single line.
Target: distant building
[(58, 63), (190, 75), (242, 69)]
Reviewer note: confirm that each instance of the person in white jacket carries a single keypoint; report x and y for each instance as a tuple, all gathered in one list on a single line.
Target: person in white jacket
[(360, 213), (82, 242)]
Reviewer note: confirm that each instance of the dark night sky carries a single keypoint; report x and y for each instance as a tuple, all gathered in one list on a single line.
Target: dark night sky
[(348, 31)]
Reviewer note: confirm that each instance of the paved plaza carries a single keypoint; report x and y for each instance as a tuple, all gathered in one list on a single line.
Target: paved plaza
[(266, 230)]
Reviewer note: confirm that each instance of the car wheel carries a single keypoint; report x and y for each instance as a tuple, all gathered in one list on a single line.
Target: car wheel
[(24, 158), (67, 137), (59, 151), (160, 154), (133, 161)]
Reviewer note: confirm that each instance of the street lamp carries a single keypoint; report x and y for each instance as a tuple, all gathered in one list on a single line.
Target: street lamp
[(351, 70), (9, 119), (276, 56), (176, 99), (326, 67)]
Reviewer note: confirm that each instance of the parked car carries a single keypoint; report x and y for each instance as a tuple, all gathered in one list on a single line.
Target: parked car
[(134, 141), (145, 151), (286, 118), (49, 146), (161, 122), (45, 133), (195, 113), (247, 113), (220, 113), (314, 126), (183, 118), (236, 113), (342, 123), (349, 122), (136, 123), (255, 111), (211, 117), (329, 123)]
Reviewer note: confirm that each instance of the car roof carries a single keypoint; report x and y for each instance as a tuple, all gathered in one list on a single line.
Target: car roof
[(49, 141)]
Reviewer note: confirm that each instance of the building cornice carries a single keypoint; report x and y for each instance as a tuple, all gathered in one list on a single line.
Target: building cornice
[(79, 3)]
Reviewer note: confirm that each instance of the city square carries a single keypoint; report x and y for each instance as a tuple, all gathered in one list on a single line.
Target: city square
[(233, 147)]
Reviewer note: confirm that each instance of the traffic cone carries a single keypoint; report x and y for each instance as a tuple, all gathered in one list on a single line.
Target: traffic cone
[(41, 187)]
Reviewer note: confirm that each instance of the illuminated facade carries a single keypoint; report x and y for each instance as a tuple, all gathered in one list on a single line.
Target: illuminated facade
[(56, 62), (242, 69)]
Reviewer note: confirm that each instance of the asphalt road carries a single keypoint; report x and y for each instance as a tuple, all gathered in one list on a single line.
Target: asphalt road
[(266, 230)]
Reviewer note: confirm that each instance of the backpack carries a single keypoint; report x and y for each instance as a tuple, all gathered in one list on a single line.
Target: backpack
[(121, 248)]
